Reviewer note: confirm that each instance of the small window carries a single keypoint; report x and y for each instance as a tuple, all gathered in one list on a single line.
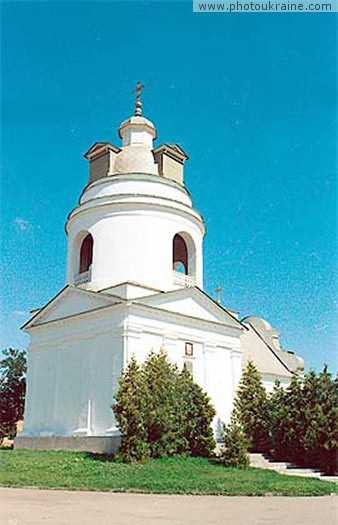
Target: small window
[(189, 349), (86, 254), (189, 367)]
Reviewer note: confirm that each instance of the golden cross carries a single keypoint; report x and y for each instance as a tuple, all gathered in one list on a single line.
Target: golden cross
[(137, 90), (219, 291)]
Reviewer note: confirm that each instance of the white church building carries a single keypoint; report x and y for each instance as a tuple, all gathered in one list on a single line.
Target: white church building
[(134, 284)]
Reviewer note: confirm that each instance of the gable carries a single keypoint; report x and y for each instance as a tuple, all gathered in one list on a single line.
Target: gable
[(99, 147), (69, 302), (193, 303), (255, 349)]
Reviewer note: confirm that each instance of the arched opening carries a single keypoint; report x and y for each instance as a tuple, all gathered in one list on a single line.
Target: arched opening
[(86, 254), (180, 255)]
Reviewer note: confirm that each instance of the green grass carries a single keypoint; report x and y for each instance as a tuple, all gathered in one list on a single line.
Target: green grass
[(80, 471)]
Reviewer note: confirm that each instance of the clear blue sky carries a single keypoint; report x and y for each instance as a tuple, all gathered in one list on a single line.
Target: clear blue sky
[(250, 97)]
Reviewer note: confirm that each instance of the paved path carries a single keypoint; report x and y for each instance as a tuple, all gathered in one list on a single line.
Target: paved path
[(35, 507)]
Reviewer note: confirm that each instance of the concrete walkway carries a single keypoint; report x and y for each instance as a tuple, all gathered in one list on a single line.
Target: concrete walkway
[(36, 507)]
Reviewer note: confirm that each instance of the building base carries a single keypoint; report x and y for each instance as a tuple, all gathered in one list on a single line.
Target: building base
[(94, 444)]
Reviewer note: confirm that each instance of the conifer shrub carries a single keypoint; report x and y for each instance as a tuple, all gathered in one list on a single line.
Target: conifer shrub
[(235, 445), (161, 412), (129, 408), (165, 432), (251, 409), (197, 414), (304, 421), (298, 424)]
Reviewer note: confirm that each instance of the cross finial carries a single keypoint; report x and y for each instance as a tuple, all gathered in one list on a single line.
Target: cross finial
[(219, 291), (138, 103)]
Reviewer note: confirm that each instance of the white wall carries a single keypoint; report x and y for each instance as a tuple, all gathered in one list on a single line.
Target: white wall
[(133, 236), (70, 364), (216, 361), (80, 359)]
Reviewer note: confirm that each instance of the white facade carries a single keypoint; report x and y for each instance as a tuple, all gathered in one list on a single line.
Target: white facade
[(75, 360), (134, 228)]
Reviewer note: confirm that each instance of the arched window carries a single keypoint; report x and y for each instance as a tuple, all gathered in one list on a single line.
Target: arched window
[(86, 254), (180, 255)]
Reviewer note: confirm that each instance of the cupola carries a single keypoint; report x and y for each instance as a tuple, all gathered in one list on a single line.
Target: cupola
[(135, 221)]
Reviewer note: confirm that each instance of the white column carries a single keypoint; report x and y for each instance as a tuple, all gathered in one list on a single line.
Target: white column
[(236, 362)]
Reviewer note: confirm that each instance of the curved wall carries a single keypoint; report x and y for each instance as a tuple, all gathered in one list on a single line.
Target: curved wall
[(133, 220)]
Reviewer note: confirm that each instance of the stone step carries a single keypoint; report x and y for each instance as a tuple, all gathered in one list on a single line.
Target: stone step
[(300, 472), (283, 467)]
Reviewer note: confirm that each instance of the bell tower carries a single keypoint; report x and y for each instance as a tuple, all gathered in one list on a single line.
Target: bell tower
[(135, 221)]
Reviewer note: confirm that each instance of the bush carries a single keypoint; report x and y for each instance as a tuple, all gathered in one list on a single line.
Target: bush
[(235, 452), (13, 368), (304, 421), (161, 412), (161, 418), (129, 408), (252, 409), (197, 414)]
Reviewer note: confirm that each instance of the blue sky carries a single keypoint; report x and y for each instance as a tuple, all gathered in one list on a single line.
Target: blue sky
[(250, 97)]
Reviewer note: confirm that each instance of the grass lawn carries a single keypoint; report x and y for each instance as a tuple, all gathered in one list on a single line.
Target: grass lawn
[(80, 470)]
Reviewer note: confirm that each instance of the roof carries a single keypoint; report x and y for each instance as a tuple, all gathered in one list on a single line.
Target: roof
[(98, 148), (205, 307), (263, 335), (65, 304), (172, 150)]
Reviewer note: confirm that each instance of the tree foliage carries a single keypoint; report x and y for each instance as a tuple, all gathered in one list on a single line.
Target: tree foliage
[(235, 451), (162, 416), (129, 407), (162, 412), (298, 424), (304, 426), (251, 409), (197, 414), (13, 368)]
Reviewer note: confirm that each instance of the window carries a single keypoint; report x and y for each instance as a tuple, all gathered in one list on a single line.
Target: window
[(189, 349), (189, 367), (86, 254), (180, 255)]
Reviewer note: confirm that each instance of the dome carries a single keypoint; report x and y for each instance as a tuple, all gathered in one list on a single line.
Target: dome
[(140, 123), (257, 322), (136, 155)]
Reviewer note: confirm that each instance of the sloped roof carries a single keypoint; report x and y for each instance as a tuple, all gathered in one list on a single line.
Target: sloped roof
[(256, 340), (172, 149), (65, 304), (194, 302), (99, 147)]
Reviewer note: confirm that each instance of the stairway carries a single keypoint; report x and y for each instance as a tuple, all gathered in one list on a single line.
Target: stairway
[(262, 461)]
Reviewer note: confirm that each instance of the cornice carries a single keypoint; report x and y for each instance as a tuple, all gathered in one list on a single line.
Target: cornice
[(66, 319), (189, 213), (157, 179), (177, 317)]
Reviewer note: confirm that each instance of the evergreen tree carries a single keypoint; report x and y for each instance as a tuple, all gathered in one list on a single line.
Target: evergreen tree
[(252, 410), (304, 421), (197, 414), (319, 437), (162, 412), (13, 367), (277, 406), (129, 409), (292, 422), (235, 451), (328, 434), (162, 418)]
